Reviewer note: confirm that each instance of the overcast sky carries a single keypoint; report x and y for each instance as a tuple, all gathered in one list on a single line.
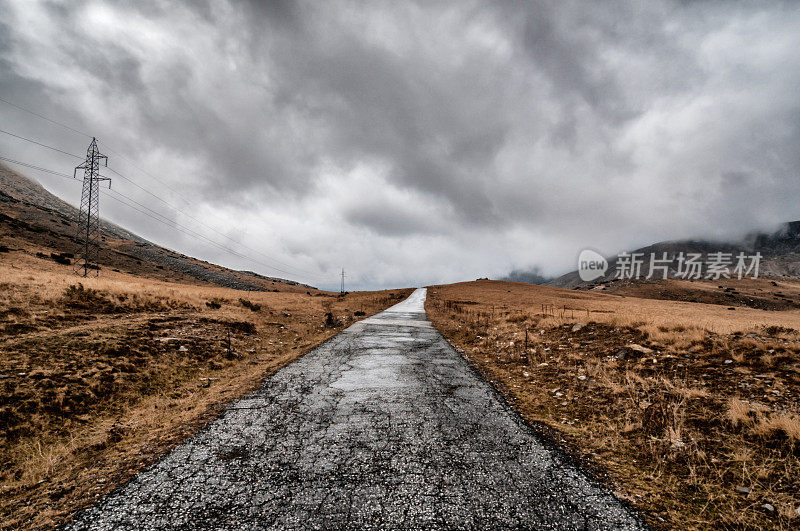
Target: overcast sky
[(416, 142)]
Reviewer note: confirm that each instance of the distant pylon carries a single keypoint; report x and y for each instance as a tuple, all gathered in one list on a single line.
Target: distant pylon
[(342, 291), (89, 216)]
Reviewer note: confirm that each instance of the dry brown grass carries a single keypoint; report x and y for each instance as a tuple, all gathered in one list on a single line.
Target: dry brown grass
[(675, 403), (100, 377)]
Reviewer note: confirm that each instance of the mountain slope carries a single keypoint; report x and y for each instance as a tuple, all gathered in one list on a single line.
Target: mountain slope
[(35, 221)]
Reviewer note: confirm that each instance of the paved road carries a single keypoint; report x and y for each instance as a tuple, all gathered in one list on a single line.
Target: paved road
[(384, 426)]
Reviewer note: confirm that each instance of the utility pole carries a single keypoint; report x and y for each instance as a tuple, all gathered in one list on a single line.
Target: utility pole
[(342, 290), (89, 215)]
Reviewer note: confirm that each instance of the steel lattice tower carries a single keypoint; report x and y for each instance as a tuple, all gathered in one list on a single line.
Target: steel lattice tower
[(89, 216)]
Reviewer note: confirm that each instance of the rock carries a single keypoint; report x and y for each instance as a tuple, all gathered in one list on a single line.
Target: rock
[(183, 349), (797, 510), (743, 490), (640, 348), (768, 507), (285, 313), (581, 377), (728, 362), (577, 327), (621, 354)]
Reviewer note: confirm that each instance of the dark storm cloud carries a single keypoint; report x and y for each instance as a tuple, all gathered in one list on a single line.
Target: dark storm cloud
[(480, 136)]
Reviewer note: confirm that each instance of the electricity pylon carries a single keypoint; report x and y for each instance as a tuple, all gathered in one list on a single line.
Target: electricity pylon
[(89, 216)]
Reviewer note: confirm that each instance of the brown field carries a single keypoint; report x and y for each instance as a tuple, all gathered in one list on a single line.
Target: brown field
[(752, 293), (688, 410), (99, 377)]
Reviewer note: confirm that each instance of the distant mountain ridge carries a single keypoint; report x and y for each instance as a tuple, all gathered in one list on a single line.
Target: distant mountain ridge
[(780, 251), (533, 276)]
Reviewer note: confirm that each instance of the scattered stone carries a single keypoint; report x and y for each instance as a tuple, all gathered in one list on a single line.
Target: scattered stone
[(543, 364), (728, 362), (577, 327), (743, 490), (285, 313), (621, 354), (768, 507), (559, 395), (640, 348), (797, 510), (581, 377), (183, 349)]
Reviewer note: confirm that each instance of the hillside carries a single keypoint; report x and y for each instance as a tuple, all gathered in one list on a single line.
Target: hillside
[(32, 220)]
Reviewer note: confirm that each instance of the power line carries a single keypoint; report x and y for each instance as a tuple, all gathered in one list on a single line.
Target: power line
[(178, 210), (109, 148), (189, 232), (157, 216), (156, 179), (40, 144), (37, 168), (175, 208), (46, 118)]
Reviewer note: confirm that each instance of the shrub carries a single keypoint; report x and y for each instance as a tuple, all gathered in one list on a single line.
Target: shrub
[(251, 306), (60, 259), (79, 297)]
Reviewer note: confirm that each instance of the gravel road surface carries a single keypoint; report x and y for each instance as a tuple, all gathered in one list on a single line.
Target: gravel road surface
[(383, 427)]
